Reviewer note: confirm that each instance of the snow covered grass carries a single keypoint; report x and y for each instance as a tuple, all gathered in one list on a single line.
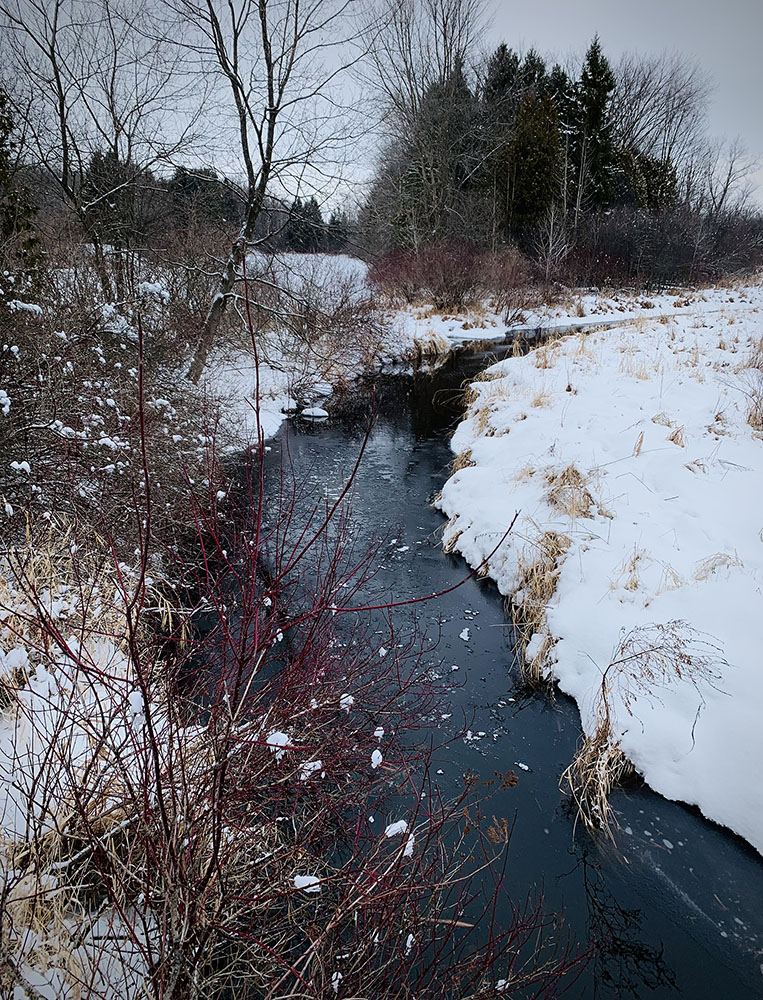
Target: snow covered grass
[(72, 741), (635, 456)]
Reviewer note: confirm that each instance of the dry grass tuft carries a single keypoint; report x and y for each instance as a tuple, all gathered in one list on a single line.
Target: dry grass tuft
[(648, 658), (463, 461), (720, 560), (545, 356), (538, 565), (677, 437), (754, 387), (629, 571), (663, 419), (567, 493)]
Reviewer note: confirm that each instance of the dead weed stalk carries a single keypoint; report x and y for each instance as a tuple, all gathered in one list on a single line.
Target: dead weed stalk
[(646, 659)]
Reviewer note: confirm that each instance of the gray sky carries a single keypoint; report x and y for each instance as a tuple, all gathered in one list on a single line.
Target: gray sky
[(725, 36)]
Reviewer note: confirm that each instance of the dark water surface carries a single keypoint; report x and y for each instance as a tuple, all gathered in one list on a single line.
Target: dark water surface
[(677, 901)]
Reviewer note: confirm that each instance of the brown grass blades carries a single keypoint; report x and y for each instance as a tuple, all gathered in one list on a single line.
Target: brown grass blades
[(754, 387), (538, 566), (568, 493), (646, 659), (175, 785), (463, 461)]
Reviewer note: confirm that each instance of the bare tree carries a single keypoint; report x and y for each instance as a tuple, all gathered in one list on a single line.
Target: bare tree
[(552, 244), (278, 67), (83, 80), (659, 105), (420, 43), (725, 169)]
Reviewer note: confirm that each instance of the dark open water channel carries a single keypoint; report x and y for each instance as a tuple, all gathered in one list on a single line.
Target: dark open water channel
[(678, 900)]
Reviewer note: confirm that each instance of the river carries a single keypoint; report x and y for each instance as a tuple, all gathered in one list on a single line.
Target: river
[(675, 902)]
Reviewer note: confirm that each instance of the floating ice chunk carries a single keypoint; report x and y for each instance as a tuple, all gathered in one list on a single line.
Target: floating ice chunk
[(307, 883), (397, 828), (464, 634), (376, 759)]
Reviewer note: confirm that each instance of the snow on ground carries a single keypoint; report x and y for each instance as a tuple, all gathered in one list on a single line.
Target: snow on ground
[(594, 308), (424, 325), (629, 455), (292, 372), (231, 377)]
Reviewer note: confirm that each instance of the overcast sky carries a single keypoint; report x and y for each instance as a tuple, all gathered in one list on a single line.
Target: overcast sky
[(725, 36)]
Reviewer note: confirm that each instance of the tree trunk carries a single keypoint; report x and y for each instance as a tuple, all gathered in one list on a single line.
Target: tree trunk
[(227, 284), (217, 308)]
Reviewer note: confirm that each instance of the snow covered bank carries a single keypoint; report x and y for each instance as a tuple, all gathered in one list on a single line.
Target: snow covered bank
[(635, 458), (318, 330)]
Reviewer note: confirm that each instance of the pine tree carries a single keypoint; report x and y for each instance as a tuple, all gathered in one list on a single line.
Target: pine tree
[(532, 73), (112, 194), (501, 85), (19, 244), (200, 194), (305, 229), (337, 231), (592, 147), (534, 164)]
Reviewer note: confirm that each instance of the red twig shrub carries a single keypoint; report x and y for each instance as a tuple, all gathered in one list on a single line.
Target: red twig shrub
[(450, 275), (191, 806)]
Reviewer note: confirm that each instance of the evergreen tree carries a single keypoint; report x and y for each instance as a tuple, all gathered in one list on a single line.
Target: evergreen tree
[(592, 146), (200, 194), (534, 164), (645, 182), (112, 207), (19, 244), (305, 230), (501, 84), (532, 73), (427, 184), (337, 231)]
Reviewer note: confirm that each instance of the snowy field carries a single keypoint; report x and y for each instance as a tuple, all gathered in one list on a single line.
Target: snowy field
[(634, 456)]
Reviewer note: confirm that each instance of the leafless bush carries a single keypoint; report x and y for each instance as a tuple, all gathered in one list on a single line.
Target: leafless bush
[(159, 847), (190, 812), (453, 275), (86, 385), (315, 316)]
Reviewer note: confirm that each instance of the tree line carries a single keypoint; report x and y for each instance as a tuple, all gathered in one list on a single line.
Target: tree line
[(596, 172)]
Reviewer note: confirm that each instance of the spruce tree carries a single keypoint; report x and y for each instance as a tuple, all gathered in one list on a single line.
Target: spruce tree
[(305, 230), (593, 149), (534, 165), (337, 231), (501, 85)]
